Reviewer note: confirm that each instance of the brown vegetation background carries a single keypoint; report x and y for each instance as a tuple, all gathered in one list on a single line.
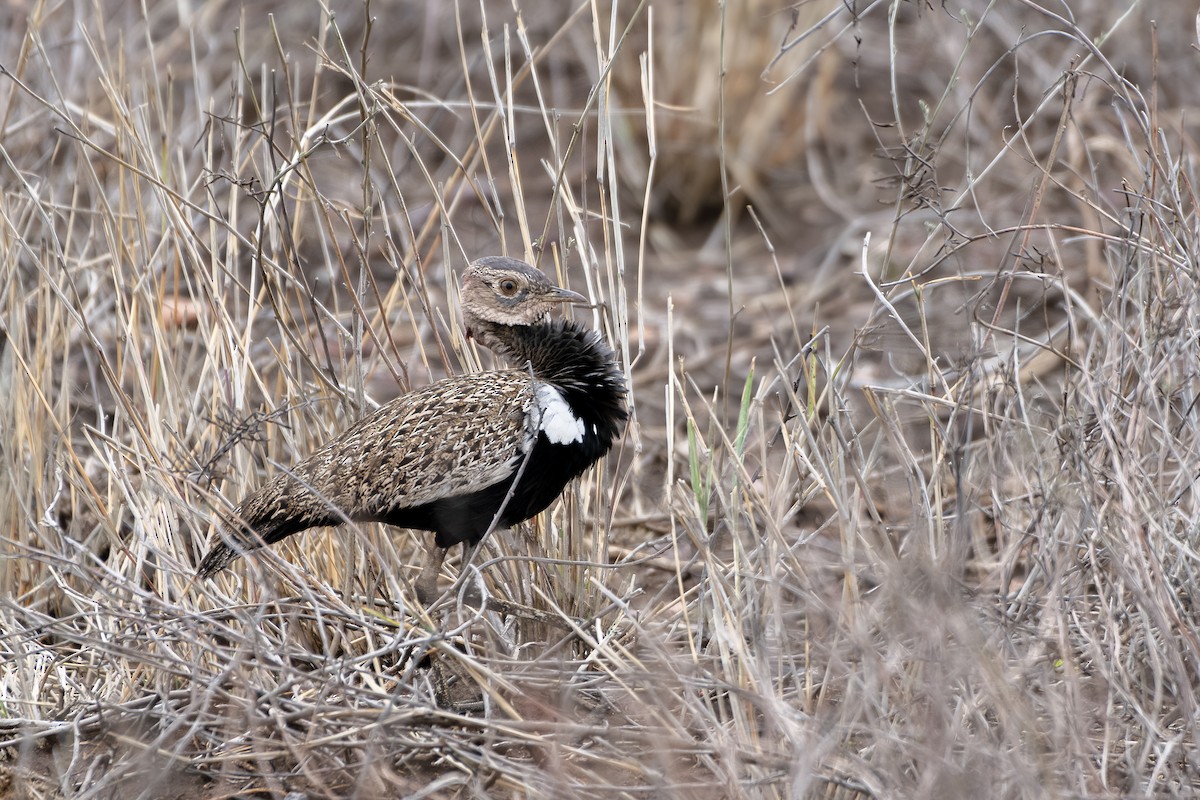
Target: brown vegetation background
[(907, 298)]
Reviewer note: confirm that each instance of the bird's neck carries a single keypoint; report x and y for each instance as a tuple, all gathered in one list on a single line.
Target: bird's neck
[(573, 359), (491, 335), (559, 352), (517, 344)]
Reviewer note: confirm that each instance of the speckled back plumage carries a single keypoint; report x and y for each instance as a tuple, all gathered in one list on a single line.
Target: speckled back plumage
[(427, 445), (468, 452)]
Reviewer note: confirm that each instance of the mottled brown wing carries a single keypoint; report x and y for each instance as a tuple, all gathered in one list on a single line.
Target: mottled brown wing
[(454, 436)]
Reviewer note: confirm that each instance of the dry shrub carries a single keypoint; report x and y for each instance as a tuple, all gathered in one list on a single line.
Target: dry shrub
[(727, 118), (906, 508)]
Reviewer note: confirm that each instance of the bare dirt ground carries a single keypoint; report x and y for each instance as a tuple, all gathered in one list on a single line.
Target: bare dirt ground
[(906, 296)]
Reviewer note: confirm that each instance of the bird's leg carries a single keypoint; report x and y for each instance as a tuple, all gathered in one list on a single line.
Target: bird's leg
[(473, 598), (426, 584), (428, 594), (470, 549)]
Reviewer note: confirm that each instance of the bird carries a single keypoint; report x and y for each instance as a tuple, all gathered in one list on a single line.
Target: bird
[(466, 454)]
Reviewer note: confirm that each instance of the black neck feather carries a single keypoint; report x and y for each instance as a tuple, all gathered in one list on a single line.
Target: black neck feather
[(574, 359)]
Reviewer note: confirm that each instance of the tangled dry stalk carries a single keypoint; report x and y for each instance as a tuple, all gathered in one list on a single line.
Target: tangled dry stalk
[(908, 301)]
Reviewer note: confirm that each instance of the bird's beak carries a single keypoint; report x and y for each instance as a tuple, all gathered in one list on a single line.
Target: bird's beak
[(557, 295)]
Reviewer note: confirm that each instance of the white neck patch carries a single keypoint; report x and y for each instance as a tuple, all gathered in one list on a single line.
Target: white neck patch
[(558, 421)]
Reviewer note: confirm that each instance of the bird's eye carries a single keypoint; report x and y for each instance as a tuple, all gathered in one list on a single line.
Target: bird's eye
[(508, 287)]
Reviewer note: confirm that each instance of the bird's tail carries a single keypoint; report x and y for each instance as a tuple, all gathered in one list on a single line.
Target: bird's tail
[(217, 559), (285, 505), (236, 538)]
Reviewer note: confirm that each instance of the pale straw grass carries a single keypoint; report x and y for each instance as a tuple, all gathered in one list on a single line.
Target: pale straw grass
[(906, 296)]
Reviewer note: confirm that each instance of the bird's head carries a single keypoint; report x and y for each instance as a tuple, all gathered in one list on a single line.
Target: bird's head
[(505, 291)]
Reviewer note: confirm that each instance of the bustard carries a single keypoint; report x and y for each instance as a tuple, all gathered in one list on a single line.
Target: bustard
[(466, 454)]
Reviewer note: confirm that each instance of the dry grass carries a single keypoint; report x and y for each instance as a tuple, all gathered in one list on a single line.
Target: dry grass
[(908, 300)]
